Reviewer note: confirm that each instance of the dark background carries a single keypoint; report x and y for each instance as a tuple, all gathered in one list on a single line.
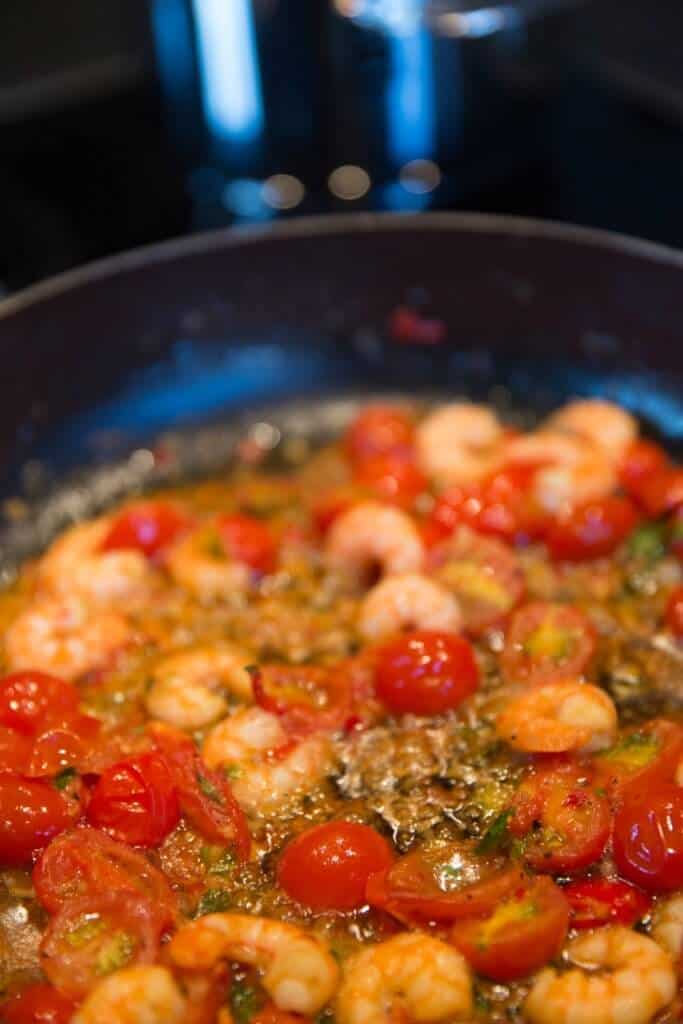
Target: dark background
[(554, 108)]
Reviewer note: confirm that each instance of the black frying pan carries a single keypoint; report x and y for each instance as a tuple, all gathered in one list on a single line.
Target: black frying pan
[(98, 363)]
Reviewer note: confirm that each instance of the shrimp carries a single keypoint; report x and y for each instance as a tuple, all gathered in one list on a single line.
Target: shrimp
[(371, 535), (65, 637), (197, 564), (299, 973), (265, 765), (411, 976), (459, 443), (571, 469), (134, 995), (620, 976), (75, 564), (559, 717), (667, 926), (405, 601), (604, 424), (186, 686)]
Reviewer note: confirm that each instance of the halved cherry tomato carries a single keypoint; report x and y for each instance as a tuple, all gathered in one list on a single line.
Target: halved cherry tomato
[(205, 796), (327, 867), (56, 749), (89, 938), (562, 822), (136, 801), (38, 1004), (674, 612), (32, 812), (547, 642), (642, 460), (29, 701), (593, 530), (599, 901), (146, 526), (392, 477), (661, 492), (522, 934), (483, 573), (293, 693), (84, 862), (247, 540), (425, 673), (378, 430), (643, 756), (503, 506), (648, 836)]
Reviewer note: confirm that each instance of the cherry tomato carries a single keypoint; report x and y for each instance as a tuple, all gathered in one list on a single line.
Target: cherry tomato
[(521, 935), (146, 526), (378, 430), (333, 504), (248, 540), (600, 901), (425, 673), (546, 643), (205, 796), (54, 750), (563, 824), (392, 478), (293, 692), (135, 801), (642, 460), (661, 492), (38, 1004), (593, 530), (32, 812), (483, 573), (502, 505), (327, 867), (15, 751), (674, 613), (648, 836), (31, 700), (92, 937), (84, 862), (644, 755)]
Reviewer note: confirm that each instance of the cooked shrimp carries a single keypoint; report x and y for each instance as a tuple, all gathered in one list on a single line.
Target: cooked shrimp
[(571, 469), (299, 973), (372, 535), (620, 977), (412, 976), (667, 926), (188, 687), (134, 995), (206, 571), (459, 443), (74, 564), (407, 601), (65, 637), (604, 424), (267, 767), (559, 717)]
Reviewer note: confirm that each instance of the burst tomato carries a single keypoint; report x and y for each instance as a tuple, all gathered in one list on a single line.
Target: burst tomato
[(146, 526), (32, 812), (648, 836), (378, 430), (522, 934), (674, 612), (425, 673), (593, 530), (601, 901), (38, 1004), (294, 692), (29, 701), (136, 801), (642, 460), (247, 540), (327, 867), (392, 478), (546, 643), (643, 756), (502, 505)]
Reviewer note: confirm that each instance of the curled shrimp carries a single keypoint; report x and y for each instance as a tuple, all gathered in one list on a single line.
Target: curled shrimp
[(265, 765), (408, 600), (667, 926), (459, 443), (412, 976), (604, 424), (620, 976), (559, 717), (571, 470), (199, 564), (188, 687), (65, 637), (299, 973), (371, 535), (75, 564), (134, 995)]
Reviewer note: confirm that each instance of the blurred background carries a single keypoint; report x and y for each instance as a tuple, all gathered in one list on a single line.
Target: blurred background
[(124, 122)]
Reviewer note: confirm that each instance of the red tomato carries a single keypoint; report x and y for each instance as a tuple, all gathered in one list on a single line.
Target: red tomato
[(546, 643), (32, 812), (38, 1004), (599, 901), (563, 823), (293, 693), (642, 460), (15, 751), (643, 756), (205, 796), (135, 801), (84, 862), (146, 526), (248, 540), (392, 477), (593, 530), (333, 504), (661, 492), (674, 612), (502, 505), (483, 573), (31, 700), (90, 938), (425, 673), (648, 836), (56, 749), (327, 867), (378, 430), (521, 935)]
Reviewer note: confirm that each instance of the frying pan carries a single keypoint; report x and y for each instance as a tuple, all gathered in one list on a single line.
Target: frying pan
[(150, 365)]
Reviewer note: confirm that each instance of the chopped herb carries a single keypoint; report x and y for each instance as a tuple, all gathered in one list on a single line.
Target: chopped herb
[(252, 669), (208, 789), (245, 1002), (325, 1017), (115, 954), (84, 933), (496, 835), (63, 778), (213, 901), (647, 542), (225, 864), (481, 1003), (232, 771)]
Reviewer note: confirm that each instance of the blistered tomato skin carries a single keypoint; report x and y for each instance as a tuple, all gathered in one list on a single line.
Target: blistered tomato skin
[(135, 801), (648, 836), (425, 673), (29, 700), (32, 812)]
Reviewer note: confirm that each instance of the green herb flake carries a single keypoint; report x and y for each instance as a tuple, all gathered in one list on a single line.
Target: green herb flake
[(208, 789), (497, 834), (245, 1002), (63, 778), (481, 1003), (233, 771), (115, 954), (647, 543), (213, 901)]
